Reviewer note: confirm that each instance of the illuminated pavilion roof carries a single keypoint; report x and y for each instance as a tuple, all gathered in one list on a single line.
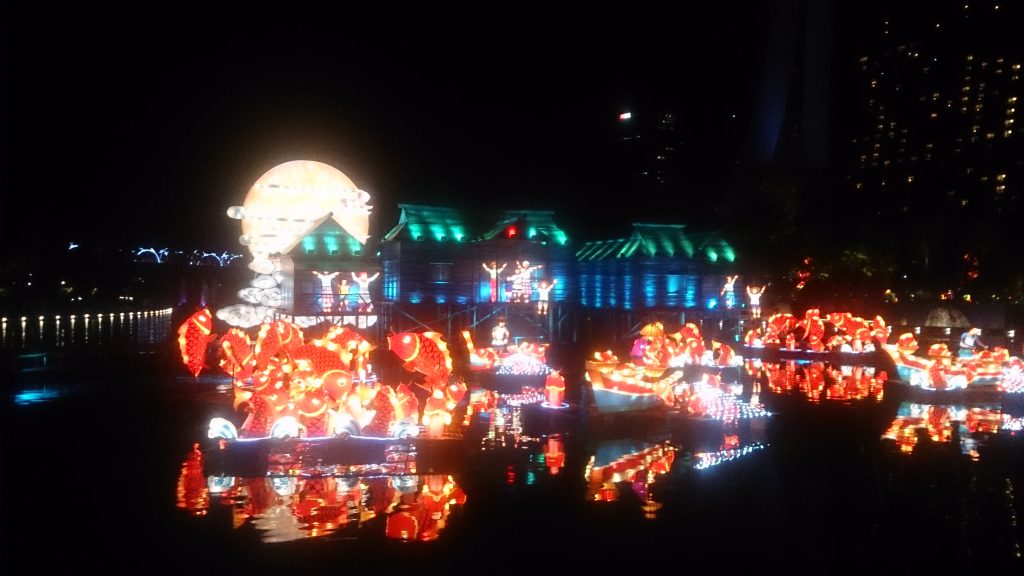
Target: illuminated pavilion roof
[(326, 238), (420, 222), (659, 241)]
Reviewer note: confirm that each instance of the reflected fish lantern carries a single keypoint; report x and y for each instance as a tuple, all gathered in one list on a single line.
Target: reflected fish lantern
[(193, 494), (555, 386), (193, 336)]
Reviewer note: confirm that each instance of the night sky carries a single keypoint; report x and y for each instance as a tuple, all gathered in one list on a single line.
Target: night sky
[(145, 134)]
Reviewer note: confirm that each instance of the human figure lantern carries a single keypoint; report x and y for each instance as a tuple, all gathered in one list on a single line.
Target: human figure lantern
[(493, 270), (522, 281), (343, 291), (326, 290), (363, 290), (499, 335), (754, 294), (543, 294), (728, 291)]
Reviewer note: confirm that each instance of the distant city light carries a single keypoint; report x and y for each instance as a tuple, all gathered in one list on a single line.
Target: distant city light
[(625, 116)]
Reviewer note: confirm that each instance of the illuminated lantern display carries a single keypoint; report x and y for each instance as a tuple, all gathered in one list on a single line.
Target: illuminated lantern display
[(193, 336), (728, 291), (426, 353), (493, 271), (237, 357), (363, 299), (282, 206), (479, 358), (326, 290), (754, 294), (522, 281), (555, 386), (543, 294), (435, 414)]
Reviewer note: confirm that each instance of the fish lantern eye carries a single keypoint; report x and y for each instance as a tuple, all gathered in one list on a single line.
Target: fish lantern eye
[(406, 339)]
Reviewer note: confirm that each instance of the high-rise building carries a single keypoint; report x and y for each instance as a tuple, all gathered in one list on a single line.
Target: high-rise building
[(937, 147)]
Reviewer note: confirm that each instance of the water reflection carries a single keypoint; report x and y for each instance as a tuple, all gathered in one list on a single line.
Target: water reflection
[(142, 327), (285, 508), (818, 381), (636, 464), (961, 426)]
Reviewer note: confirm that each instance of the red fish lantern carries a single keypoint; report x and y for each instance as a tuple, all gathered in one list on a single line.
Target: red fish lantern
[(426, 353), (193, 336), (236, 356)]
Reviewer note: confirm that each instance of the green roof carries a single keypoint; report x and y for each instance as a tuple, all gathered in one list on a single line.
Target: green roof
[(419, 222), (659, 241), (327, 238)]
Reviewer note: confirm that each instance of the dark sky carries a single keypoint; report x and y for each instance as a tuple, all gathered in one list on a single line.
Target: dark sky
[(146, 133)]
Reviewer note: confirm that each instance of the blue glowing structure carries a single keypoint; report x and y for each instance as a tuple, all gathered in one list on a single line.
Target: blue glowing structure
[(441, 255), (657, 266)]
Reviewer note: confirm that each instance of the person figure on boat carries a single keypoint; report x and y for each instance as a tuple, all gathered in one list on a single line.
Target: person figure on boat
[(500, 335), (636, 354), (970, 341)]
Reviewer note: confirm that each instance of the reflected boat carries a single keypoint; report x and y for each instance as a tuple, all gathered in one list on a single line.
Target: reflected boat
[(963, 427), (820, 381), (285, 507)]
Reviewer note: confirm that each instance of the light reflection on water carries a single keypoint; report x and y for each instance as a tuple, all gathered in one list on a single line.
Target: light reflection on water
[(819, 381), (717, 431), (968, 428), (142, 327), (285, 508)]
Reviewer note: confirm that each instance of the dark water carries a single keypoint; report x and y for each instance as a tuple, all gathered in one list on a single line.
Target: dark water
[(91, 479)]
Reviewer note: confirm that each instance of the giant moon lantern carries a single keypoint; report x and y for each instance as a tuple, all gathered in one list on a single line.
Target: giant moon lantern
[(284, 205), (286, 202)]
